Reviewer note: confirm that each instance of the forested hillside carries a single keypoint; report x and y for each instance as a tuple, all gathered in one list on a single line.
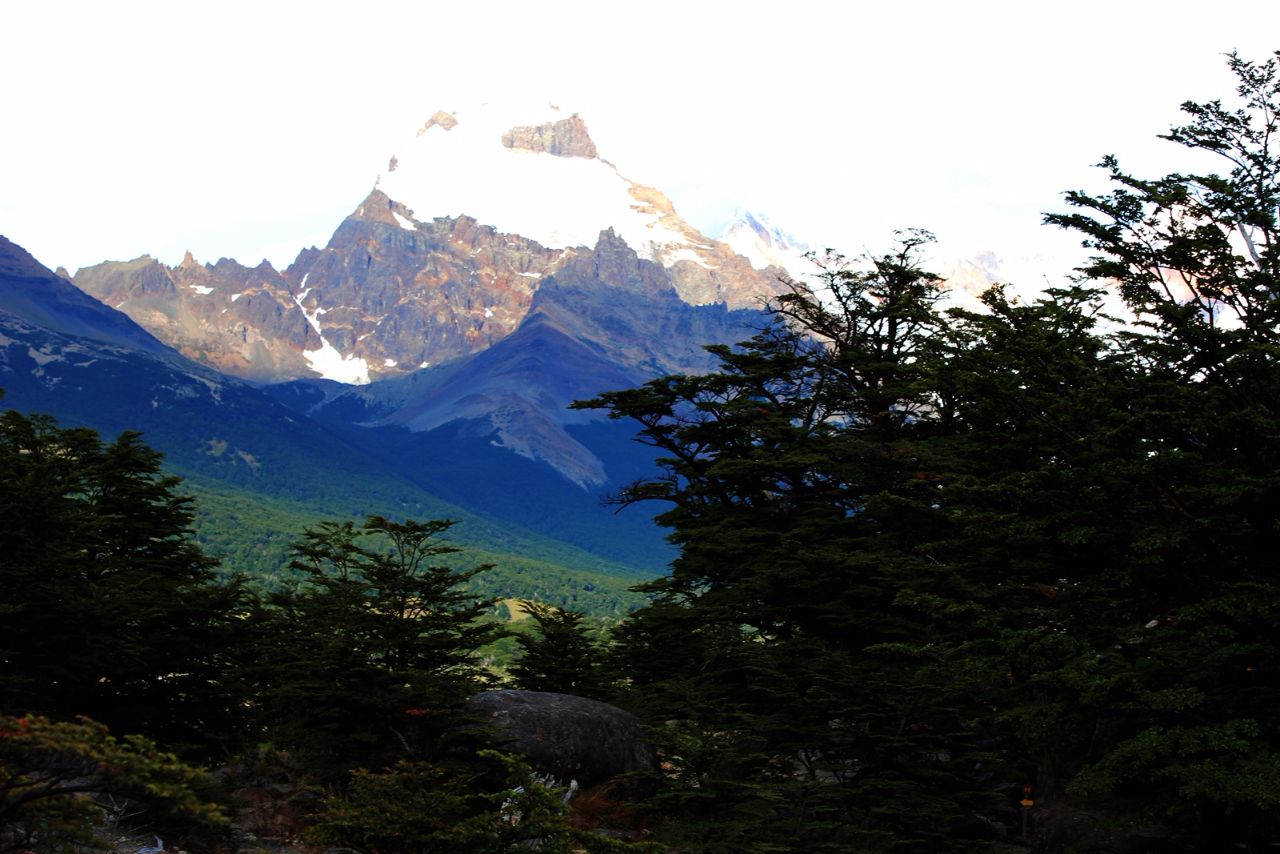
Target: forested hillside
[(251, 533), (947, 581)]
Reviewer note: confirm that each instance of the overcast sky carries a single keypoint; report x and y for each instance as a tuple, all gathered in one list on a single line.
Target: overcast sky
[(251, 129)]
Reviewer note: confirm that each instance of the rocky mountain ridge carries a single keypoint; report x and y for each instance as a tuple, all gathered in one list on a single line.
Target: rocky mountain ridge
[(395, 291), (238, 320), (604, 319), (379, 300), (68, 355), (441, 338), (530, 169), (32, 294)]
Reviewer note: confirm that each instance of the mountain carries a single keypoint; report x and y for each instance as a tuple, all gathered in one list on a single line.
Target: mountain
[(46, 299), (64, 353), (241, 321), (754, 237), (606, 319), (499, 269), (531, 169), (440, 261), (543, 275)]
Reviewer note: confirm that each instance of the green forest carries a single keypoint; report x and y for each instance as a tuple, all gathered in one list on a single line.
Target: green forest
[(252, 533), (947, 580)]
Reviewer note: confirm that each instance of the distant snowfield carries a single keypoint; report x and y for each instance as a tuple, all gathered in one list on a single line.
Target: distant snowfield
[(557, 201)]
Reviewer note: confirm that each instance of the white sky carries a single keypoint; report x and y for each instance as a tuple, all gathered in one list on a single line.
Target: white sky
[(250, 129)]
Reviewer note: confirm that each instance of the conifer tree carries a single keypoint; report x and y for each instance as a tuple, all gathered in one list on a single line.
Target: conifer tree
[(60, 780), (110, 609), (1180, 706), (370, 656), (788, 656), (561, 657)]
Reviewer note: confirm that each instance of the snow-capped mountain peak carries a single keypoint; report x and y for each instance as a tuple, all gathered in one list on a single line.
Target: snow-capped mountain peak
[(440, 261), (523, 169), (753, 236), (532, 169)]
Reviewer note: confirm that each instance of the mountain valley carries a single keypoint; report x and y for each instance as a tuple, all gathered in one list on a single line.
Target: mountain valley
[(498, 270)]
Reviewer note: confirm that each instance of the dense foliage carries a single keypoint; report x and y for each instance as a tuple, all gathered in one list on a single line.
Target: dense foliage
[(932, 561), (58, 778), (797, 639), (109, 609), (253, 533), (560, 656), (368, 659), (438, 807), (112, 612)]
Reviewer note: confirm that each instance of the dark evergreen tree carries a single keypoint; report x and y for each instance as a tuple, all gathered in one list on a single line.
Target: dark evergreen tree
[(1034, 526), (561, 657), (369, 658), (1180, 703), (1046, 481), (110, 610), (61, 782), (793, 655)]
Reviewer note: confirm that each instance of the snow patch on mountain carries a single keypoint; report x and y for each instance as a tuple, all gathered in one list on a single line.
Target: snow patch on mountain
[(327, 361), (332, 365), (966, 279), (685, 253), (44, 356), (1024, 277)]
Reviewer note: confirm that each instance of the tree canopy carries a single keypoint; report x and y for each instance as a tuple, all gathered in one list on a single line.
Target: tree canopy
[(110, 610), (369, 656), (933, 560)]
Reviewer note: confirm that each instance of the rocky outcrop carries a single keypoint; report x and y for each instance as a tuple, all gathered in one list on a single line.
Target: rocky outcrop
[(440, 119), (565, 138), (403, 295), (387, 292), (570, 738), (240, 320), (606, 319), (703, 270)]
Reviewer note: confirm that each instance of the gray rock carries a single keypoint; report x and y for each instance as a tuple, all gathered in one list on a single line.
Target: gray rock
[(570, 738)]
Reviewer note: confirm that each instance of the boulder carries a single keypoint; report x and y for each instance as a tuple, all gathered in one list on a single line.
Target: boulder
[(568, 737)]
